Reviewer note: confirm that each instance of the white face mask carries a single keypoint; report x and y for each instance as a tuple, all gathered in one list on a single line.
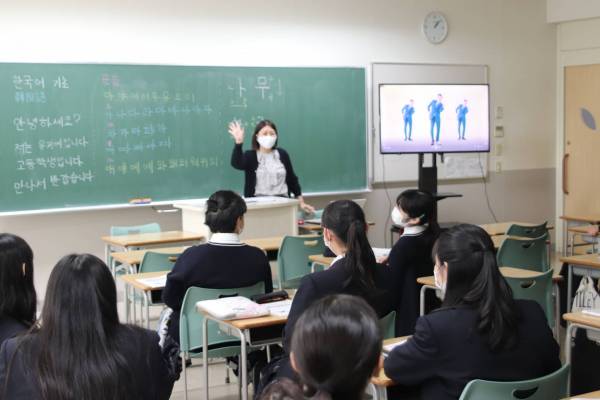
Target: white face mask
[(397, 217), (438, 281), (267, 141)]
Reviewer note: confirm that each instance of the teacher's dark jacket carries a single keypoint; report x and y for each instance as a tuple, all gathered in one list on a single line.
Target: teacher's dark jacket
[(334, 281), (446, 352), (247, 161)]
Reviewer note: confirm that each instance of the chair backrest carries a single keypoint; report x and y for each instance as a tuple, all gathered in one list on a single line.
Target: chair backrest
[(135, 229), (292, 258), (549, 387), (531, 232), (529, 254), (157, 262), (538, 288), (190, 320), (388, 325)]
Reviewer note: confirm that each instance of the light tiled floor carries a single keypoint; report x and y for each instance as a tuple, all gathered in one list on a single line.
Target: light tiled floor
[(219, 390)]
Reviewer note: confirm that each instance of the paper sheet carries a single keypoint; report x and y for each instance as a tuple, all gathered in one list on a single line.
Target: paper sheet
[(154, 283), (279, 308)]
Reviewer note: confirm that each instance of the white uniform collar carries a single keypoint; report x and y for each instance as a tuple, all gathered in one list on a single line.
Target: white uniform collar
[(224, 238), (338, 258), (414, 230)]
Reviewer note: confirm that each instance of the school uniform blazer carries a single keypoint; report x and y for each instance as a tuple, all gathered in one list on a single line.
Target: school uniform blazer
[(328, 282), (216, 266), (409, 259), (247, 161), (446, 352), (10, 327), (149, 374)]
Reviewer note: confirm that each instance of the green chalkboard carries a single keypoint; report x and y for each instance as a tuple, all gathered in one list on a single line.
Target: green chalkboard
[(93, 134)]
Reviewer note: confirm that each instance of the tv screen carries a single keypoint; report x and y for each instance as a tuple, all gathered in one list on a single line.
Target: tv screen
[(434, 118)]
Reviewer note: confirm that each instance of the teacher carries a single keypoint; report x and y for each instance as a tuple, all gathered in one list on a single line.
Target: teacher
[(268, 169)]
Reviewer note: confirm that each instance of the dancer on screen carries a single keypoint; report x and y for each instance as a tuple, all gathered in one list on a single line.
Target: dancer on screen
[(435, 108), (407, 112), (461, 114)]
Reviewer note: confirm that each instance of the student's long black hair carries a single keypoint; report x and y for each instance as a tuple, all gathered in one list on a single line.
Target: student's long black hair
[(17, 293), (347, 220), (336, 346), (77, 352), (223, 208), (419, 204), (475, 280)]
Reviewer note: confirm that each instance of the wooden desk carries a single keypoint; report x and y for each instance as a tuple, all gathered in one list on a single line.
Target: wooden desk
[(321, 260), (574, 322), (586, 264), (135, 257), (590, 219), (572, 221), (131, 282), (501, 228), (380, 382), (267, 244), (592, 395)]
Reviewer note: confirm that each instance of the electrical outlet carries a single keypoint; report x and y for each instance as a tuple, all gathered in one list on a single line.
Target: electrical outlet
[(499, 131), (499, 112), (498, 166), (499, 149)]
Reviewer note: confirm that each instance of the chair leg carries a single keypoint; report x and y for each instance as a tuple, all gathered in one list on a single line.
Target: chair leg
[(227, 380), (147, 305), (185, 388)]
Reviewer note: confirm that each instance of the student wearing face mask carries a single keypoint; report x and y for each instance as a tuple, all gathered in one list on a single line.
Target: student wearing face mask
[(480, 332), (268, 168), (354, 271), (410, 257)]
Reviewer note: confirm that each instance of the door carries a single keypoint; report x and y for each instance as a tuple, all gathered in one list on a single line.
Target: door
[(581, 162)]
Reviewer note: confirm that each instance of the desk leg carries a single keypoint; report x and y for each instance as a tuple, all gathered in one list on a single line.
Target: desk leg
[(244, 363), (147, 296), (422, 298), (569, 288), (556, 311), (571, 328), (205, 355), (378, 392), (127, 290)]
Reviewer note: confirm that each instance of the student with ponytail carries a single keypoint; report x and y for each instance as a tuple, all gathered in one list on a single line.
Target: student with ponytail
[(80, 350), (354, 271), (410, 257), (323, 334), (222, 263), (480, 332)]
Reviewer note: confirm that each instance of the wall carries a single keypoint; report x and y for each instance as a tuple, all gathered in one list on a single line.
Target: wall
[(569, 10), (511, 36)]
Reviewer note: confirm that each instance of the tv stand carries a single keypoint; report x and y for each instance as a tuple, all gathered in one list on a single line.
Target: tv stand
[(428, 180)]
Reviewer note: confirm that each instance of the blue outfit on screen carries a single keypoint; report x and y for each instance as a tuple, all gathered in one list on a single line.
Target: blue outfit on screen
[(407, 113), (435, 108), (461, 114)]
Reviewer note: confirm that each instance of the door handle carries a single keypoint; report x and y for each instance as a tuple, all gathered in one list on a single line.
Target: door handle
[(564, 174)]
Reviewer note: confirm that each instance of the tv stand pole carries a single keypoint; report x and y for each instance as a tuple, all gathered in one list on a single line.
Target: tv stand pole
[(428, 181)]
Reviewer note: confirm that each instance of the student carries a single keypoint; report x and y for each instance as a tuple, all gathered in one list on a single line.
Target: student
[(354, 271), (410, 258), (17, 293), (222, 263), (480, 332), (335, 350), (268, 168), (81, 351)]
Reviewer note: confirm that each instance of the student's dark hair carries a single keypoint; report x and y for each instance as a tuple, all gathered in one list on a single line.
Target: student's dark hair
[(223, 208), (475, 280), (76, 353), (17, 292), (336, 346), (419, 204), (347, 220), (258, 127), (282, 389)]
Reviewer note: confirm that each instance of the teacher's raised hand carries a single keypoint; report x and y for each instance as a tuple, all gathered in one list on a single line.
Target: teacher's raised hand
[(237, 132)]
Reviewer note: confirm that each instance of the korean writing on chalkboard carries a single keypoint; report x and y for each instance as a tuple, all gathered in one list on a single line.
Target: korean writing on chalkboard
[(49, 163), (63, 143), (44, 122), (22, 186), (153, 166), (121, 96)]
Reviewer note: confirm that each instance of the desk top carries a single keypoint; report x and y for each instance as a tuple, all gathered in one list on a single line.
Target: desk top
[(381, 378), (587, 260), (259, 322), (583, 319), (591, 395), (132, 279), (135, 257), (252, 203), (583, 230), (321, 259), (508, 272), (500, 228), (592, 219), (148, 239)]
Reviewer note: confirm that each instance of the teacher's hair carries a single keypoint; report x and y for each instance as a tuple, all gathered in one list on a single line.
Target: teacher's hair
[(223, 208), (475, 280), (76, 352), (347, 220), (258, 127), (17, 292), (336, 347), (419, 204)]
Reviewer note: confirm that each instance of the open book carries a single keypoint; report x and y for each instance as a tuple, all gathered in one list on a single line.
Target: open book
[(236, 307)]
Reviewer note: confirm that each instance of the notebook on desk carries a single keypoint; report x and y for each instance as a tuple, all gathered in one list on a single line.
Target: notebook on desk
[(236, 307), (314, 221)]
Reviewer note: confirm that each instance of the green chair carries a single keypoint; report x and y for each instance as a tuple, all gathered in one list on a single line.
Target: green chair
[(129, 230), (388, 325), (531, 254), (292, 259), (549, 387), (153, 262), (525, 231), (538, 288), (220, 345)]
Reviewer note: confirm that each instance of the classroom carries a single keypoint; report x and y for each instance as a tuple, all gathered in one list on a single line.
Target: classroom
[(335, 127)]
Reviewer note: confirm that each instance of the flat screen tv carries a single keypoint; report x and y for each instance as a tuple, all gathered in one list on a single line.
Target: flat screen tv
[(434, 118)]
